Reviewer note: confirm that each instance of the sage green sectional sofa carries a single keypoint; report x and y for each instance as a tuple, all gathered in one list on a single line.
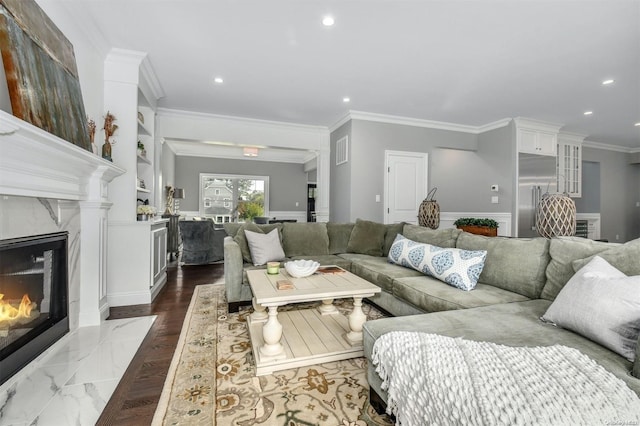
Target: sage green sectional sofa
[(520, 279)]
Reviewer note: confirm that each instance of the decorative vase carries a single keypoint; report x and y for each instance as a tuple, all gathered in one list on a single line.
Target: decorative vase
[(94, 148), (429, 212), (143, 217)]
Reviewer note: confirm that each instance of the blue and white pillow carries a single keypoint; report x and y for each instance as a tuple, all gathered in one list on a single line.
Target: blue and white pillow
[(456, 267)]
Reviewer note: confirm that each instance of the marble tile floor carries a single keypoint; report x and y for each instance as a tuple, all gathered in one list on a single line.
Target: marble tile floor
[(71, 382)]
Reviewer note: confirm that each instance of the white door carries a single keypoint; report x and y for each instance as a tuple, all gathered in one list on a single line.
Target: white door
[(405, 185)]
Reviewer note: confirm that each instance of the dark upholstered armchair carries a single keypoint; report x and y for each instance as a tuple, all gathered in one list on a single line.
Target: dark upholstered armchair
[(202, 243)]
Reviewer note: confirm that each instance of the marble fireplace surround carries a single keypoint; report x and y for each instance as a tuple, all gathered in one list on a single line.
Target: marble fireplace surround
[(48, 184)]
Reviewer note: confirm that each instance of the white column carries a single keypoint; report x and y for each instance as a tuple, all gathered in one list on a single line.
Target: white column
[(93, 252), (322, 195), (93, 262)]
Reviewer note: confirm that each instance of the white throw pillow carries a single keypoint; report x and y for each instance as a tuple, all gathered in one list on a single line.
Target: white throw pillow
[(456, 267), (264, 247), (602, 304)]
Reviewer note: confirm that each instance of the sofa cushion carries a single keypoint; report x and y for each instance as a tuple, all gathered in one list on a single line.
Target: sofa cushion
[(432, 295), (456, 267), (305, 239), (367, 238), (378, 270), (339, 234), (241, 238), (445, 237), (231, 228), (393, 229), (625, 257), (512, 324), (602, 304), (264, 247), (513, 264), (563, 251)]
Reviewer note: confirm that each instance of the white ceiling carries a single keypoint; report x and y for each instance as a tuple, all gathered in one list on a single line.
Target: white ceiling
[(466, 62)]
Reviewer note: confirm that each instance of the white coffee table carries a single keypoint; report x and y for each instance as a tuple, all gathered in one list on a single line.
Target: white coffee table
[(295, 338)]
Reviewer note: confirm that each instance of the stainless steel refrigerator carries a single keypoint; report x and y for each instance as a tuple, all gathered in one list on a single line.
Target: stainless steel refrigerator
[(536, 176)]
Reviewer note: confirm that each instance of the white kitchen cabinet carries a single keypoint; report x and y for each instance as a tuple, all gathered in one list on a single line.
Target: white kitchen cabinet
[(137, 261), (569, 164), (536, 137), (159, 254)]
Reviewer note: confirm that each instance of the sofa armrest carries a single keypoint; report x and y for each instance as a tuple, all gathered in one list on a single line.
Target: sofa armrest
[(233, 268)]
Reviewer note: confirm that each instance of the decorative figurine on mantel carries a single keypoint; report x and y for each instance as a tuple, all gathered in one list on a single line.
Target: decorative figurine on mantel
[(92, 134), (109, 129), (170, 191)]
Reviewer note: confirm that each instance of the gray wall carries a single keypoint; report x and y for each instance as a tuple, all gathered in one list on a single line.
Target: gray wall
[(618, 194), (368, 143), (287, 181), (167, 173), (464, 178), (312, 176), (635, 209), (589, 202), (340, 179)]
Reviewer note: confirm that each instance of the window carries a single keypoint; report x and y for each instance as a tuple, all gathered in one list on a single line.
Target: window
[(230, 198)]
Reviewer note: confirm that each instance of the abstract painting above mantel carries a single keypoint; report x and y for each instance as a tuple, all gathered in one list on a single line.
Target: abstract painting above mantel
[(42, 77)]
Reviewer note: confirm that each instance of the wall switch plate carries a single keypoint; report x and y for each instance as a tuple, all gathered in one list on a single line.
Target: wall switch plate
[(637, 203), (377, 198), (495, 188), (297, 204), (494, 199)]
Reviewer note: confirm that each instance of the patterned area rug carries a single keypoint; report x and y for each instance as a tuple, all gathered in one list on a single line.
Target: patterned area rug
[(212, 379)]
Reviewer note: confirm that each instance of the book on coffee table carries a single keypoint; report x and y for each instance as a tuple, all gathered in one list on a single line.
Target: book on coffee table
[(330, 269), (285, 285)]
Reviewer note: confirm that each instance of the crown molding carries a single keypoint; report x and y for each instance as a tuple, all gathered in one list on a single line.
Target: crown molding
[(572, 137), (166, 112), (407, 121), (418, 122), (272, 159), (540, 125), (609, 147), (498, 124), (149, 76), (344, 119)]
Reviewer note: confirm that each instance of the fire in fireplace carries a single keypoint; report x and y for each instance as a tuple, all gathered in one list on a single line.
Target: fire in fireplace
[(33, 298)]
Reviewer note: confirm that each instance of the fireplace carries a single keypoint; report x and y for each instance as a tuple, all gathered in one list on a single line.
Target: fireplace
[(33, 298)]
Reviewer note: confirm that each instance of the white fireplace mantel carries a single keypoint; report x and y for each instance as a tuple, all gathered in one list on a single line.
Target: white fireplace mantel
[(35, 163)]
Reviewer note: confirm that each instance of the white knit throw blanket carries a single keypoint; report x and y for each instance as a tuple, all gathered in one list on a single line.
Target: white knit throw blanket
[(439, 380)]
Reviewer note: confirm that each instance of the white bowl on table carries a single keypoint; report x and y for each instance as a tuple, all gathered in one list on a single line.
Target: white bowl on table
[(301, 268)]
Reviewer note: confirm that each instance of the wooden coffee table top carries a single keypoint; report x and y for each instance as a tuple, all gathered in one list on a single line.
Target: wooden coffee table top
[(315, 287)]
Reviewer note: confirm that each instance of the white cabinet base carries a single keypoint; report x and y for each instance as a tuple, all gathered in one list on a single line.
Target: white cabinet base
[(137, 268)]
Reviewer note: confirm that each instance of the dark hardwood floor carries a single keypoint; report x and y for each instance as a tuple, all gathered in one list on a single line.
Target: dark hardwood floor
[(136, 397)]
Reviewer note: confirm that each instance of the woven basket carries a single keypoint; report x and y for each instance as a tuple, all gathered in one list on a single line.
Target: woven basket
[(556, 216), (429, 213)]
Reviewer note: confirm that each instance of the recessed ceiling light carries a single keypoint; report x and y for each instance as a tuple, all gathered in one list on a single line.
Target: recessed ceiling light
[(607, 82), (588, 112), (328, 21), (637, 124), (218, 80), (346, 99)]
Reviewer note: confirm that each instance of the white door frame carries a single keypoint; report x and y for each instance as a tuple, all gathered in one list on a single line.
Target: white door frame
[(387, 154)]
